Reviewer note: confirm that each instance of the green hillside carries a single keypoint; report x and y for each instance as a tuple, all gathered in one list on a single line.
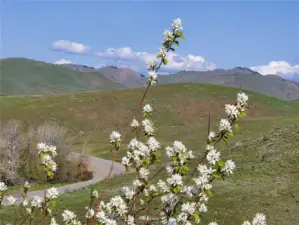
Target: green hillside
[(264, 149), (181, 111), (21, 76)]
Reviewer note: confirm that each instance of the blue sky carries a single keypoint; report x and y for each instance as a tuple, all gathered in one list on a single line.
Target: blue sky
[(260, 35)]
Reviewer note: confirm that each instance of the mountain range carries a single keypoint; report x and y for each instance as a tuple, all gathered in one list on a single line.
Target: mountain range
[(20, 76)]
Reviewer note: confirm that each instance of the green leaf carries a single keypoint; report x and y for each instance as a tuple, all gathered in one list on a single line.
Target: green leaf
[(164, 60), (242, 114), (172, 49), (176, 43), (220, 163), (53, 203), (50, 174), (216, 175), (175, 190), (195, 216), (180, 34), (224, 138), (210, 193), (230, 133)]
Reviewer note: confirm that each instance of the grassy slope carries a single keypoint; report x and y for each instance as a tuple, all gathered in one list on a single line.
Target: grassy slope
[(21, 76), (181, 112)]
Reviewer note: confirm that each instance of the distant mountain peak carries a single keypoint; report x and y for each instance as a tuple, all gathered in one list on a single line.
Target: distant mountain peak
[(245, 70)]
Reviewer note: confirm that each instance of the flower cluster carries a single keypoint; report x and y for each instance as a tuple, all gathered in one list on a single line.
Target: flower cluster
[(170, 38), (70, 218), (259, 219), (141, 154), (46, 154)]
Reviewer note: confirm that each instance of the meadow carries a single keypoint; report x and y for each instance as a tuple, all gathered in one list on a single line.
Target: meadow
[(265, 148)]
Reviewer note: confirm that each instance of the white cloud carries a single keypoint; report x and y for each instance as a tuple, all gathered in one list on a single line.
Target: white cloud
[(68, 46), (126, 57), (63, 61), (281, 68)]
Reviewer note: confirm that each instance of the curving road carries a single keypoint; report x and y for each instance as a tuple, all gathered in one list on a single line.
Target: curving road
[(100, 168)]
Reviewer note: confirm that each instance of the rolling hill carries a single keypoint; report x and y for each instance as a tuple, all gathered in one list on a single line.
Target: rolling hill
[(266, 178), (20, 76), (123, 76), (245, 78), (274, 86)]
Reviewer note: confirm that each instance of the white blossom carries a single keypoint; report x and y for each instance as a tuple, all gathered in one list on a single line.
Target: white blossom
[(125, 161), (52, 193), (167, 35), (189, 207), (95, 193), (133, 144), (148, 127), (68, 216), (151, 64), (204, 170), (229, 167), (53, 221), (213, 156), (26, 185), (117, 204), (47, 161), (242, 98), (127, 192), (134, 123), (179, 147), (143, 173), (25, 203), (169, 169), (231, 111), (152, 77), (89, 213), (259, 219), (130, 220), (190, 155), (201, 181), (210, 147), (203, 208), (212, 135), (153, 144), (114, 137), (182, 217), (175, 179), (28, 210), (37, 202), (225, 125), (46, 149), (53, 166), (162, 52), (152, 188), (147, 108), (100, 216), (137, 183), (3, 187), (11, 200), (177, 24), (171, 221), (162, 186)]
